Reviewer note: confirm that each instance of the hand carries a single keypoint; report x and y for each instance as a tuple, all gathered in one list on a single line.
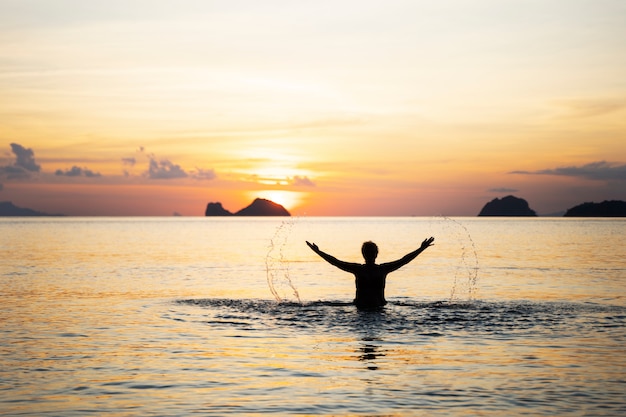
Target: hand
[(427, 242), (312, 246)]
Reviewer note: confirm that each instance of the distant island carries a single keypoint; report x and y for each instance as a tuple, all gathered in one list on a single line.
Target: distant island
[(507, 206), (614, 208), (259, 207), (8, 209)]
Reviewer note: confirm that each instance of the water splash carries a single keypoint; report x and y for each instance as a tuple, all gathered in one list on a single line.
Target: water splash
[(468, 265), (276, 265)]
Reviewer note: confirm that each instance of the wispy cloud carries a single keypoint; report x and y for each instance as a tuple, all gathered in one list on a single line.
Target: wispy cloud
[(600, 170), (590, 107), (299, 181), (502, 190), (129, 161), (204, 174), (165, 170), (76, 171)]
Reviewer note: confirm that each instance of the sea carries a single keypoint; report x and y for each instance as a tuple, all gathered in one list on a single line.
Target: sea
[(207, 316)]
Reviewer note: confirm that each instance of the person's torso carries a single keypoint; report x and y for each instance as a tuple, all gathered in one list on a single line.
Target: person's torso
[(370, 286)]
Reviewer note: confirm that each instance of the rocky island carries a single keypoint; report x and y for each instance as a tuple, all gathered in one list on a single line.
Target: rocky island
[(507, 206), (9, 209), (259, 207), (614, 208)]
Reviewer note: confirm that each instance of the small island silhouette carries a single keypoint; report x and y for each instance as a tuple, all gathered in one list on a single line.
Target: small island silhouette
[(259, 207), (9, 209), (507, 206), (613, 208)]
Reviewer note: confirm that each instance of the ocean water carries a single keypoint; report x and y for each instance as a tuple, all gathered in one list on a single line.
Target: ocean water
[(210, 316)]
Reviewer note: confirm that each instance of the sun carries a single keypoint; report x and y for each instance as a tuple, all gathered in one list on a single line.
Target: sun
[(287, 199)]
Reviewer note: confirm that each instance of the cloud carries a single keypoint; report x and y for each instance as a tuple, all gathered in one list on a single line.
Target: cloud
[(128, 162), (78, 172), (204, 174), (1, 186), (12, 172), (299, 181), (591, 107), (25, 158), (502, 190), (165, 170), (24, 163), (599, 171)]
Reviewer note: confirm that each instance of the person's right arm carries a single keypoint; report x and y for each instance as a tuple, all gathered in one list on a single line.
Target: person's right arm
[(345, 266)]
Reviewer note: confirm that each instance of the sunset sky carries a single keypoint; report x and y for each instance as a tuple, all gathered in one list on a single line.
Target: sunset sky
[(342, 107)]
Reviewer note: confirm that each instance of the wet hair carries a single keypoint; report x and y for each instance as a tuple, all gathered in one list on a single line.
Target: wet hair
[(369, 250)]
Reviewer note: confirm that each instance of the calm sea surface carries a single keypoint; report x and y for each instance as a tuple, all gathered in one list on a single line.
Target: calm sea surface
[(209, 316)]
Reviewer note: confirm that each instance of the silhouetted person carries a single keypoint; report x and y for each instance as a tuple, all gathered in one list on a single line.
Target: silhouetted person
[(370, 277)]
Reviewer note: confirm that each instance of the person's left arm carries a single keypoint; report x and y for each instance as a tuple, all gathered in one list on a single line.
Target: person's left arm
[(392, 266)]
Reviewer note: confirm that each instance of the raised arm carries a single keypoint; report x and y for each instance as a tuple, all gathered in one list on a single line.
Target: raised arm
[(392, 266), (345, 266)]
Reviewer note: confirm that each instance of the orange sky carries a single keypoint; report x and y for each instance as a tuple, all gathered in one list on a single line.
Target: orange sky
[(328, 107)]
